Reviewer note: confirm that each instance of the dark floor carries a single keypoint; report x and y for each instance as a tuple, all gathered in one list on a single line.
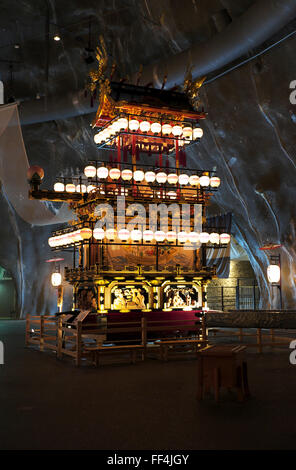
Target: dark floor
[(50, 404)]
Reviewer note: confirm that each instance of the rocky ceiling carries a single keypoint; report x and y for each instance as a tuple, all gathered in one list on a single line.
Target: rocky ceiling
[(249, 135)]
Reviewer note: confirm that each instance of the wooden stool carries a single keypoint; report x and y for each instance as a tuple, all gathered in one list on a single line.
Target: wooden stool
[(222, 366)]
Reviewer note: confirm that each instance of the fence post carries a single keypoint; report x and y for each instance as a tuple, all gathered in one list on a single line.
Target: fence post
[(41, 337), (259, 340), (144, 336), (59, 337), (27, 329), (78, 343)]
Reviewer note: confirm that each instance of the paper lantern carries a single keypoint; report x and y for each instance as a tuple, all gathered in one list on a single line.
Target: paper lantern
[(136, 235), (148, 235), (70, 188), (177, 131), (194, 180), (204, 181), (193, 237), (116, 126), (182, 237), (159, 236), (90, 171), (150, 176), (123, 234), (183, 179), (215, 182), (98, 138), (102, 172), (139, 175), (214, 238), (59, 187), (274, 273), (122, 123), (225, 238), (145, 126), (156, 127), (134, 125), (161, 177), (171, 236), (197, 133), (126, 175), (114, 173), (173, 178), (204, 237), (187, 132), (99, 233), (86, 233), (81, 188), (56, 279), (166, 129)]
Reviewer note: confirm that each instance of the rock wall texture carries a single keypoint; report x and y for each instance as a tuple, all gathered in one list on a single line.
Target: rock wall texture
[(249, 136)]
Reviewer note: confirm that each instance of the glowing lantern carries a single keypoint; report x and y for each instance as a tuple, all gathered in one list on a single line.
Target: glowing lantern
[(123, 234), (81, 188), (204, 237), (145, 126), (156, 128), (215, 182), (148, 235), (56, 279), (171, 236), (136, 235), (52, 242), (139, 175), (99, 233), (177, 131), (197, 133), (104, 135), (183, 179), (98, 138), (90, 171), (204, 181), (70, 188), (214, 238), (59, 187), (194, 180), (166, 129), (182, 237), (150, 176), (134, 125), (116, 127), (102, 172), (126, 175), (114, 173), (86, 233), (161, 177), (173, 178), (122, 124), (193, 237), (159, 236), (274, 273), (187, 133), (111, 234), (225, 238)]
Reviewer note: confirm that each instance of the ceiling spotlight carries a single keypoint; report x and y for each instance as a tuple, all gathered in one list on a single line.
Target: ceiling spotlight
[(57, 37)]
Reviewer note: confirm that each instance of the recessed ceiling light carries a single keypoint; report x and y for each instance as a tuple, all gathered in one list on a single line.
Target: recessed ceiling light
[(57, 37)]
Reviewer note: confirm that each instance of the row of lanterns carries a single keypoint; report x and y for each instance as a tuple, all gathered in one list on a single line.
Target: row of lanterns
[(161, 177), (125, 235), (122, 124)]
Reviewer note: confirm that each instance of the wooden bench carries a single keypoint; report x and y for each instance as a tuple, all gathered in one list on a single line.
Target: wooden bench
[(164, 345), (97, 350)]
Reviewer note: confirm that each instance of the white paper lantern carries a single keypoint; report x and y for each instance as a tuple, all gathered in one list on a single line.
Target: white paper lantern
[(225, 238), (183, 237), (86, 233), (70, 188), (156, 127), (161, 177), (116, 126), (159, 236), (123, 234), (183, 179), (150, 176), (102, 172), (193, 237), (136, 235), (204, 237), (139, 175), (81, 188), (99, 233), (90, 171), (98, 138), (177, 131), (126, 175), (194, 180), (59, 187), (56, 279), (145, 126), (215, 182), (274, 273), (148, 235), (204, 180), (197, 133), (166, 129), (134, 125), (187, 133), (172, 178), (214, 238), (114, 173), (171, 236), (122, 123)]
